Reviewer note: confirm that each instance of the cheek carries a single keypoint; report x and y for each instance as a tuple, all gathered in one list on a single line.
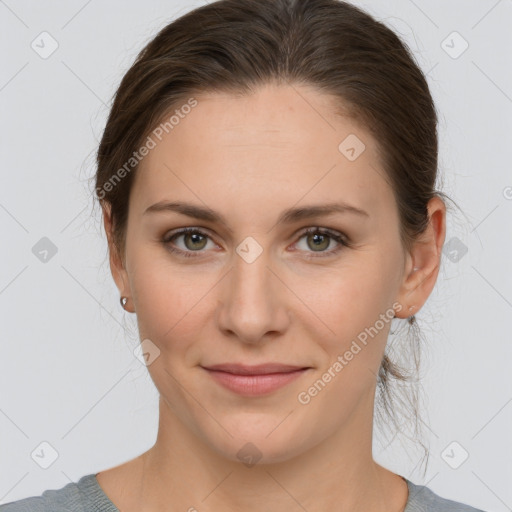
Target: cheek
[(352, 334), (342, 312), (170, 309), (171, 305), (345, 298)]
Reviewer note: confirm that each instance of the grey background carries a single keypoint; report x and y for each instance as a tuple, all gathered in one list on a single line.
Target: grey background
[(68, 375)]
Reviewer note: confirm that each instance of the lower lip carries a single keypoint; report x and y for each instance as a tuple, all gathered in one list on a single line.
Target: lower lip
[(254, 385)]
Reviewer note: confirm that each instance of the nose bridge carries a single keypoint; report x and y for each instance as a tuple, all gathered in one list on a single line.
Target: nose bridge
[(252, 303), (251, 276)]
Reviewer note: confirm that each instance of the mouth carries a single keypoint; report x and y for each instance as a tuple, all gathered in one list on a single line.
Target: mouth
[(255, 380)]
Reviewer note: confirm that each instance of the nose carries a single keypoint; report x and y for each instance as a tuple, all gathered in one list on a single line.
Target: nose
[(252, 307)]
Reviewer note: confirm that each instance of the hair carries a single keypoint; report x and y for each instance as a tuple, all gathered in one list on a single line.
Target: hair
[(234, 46)]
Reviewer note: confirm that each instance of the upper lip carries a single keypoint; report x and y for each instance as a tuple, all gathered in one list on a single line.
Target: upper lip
[(260, 369)]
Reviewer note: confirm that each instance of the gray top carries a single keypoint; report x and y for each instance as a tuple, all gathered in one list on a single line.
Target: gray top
[(86, 495)]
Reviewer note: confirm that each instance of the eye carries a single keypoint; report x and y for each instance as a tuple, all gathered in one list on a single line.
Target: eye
[(320, 239), (194, 240)]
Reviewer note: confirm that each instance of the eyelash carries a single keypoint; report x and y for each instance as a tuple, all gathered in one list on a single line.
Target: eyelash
[(341, 239)]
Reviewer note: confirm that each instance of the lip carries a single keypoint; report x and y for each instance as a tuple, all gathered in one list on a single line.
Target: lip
[(254, 380), (260, 369)]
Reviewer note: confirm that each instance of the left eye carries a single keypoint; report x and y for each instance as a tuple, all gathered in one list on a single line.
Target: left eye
[(321, 239), (195, 240)]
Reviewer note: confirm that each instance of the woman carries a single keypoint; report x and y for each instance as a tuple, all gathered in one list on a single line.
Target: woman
[(267, 177)]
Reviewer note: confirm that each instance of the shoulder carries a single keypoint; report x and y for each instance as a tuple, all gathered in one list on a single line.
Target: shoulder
[(422, 499), (57, 500), (77, 496)]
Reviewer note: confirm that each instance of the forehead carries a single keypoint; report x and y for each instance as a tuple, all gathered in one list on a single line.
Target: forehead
[(281, 143)]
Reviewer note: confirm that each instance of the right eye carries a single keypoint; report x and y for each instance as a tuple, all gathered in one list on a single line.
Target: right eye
[(194, 241)]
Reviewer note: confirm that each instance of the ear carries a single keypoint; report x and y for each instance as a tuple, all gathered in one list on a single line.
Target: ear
[(423, 262), (117, 266)]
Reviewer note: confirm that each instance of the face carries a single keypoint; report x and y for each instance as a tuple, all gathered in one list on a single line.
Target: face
[(249, 286)]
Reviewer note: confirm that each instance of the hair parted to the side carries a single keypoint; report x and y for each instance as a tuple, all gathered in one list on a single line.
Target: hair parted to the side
[(237, 45)]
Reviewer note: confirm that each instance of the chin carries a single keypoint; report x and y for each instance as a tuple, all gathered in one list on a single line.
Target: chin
[(258, 442)]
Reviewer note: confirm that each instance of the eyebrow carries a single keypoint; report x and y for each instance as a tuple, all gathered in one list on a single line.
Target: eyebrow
[(288, 216)]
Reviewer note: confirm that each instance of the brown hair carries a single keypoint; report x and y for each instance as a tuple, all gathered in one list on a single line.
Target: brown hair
[(236, 45)]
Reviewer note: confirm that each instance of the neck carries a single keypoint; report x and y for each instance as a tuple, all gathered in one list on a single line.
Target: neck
[(339, 473)]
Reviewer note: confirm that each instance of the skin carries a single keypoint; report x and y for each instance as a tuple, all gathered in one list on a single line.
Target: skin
[(249, 158)]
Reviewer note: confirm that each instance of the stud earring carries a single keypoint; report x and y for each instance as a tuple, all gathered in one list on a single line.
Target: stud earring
[(123, 301)]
